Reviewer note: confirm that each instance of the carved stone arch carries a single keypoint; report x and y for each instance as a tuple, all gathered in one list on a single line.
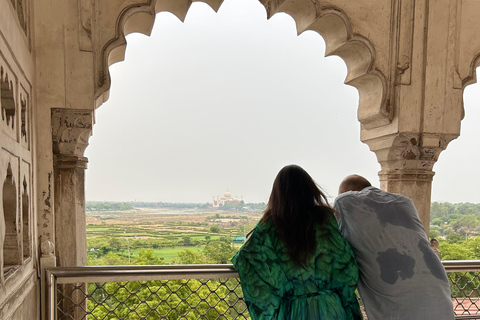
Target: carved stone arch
[(180, 7), (24, 121), (356, 50), (114, 50), (470, 79), (138, 17), (463, 47), (11, 245), (331, 23), (7, 97), (472, 76), (461, 82), (465, 42)]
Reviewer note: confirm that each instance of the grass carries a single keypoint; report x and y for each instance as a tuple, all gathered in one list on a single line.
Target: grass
[(147, 231), (168, 254)]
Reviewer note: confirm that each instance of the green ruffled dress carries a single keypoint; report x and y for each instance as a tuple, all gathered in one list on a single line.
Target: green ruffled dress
[(274, 288)]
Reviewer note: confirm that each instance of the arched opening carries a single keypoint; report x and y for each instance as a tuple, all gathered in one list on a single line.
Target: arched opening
[(460, 214), (27, 250), (354, 48), (215, 105), (11, 246), (7, 98), (24, 120), (252, 105)]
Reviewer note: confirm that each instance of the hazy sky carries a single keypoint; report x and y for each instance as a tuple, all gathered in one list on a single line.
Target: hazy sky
[(225, 100)]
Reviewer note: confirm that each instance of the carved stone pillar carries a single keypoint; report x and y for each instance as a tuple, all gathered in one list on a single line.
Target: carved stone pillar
[(407, 161), (71, 129), (415, 184)]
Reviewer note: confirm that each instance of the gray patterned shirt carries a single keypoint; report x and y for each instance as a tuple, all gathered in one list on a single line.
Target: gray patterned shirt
[(401, 277)]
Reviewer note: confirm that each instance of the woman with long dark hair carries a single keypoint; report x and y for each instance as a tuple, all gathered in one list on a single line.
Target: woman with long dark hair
[(296, 264)]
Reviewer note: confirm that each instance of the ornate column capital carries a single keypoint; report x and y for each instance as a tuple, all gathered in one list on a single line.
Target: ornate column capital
[(71, 129), (409, 153), (61, 161), (407, 161), (406, 175)]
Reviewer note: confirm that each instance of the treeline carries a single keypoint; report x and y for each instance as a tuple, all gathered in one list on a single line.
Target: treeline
[(169, 299), (456, 226), (170, 205), (107, 206), (214, 252), (458, 247), (243, 207), (461, 218), (130, 205), (100, 246)]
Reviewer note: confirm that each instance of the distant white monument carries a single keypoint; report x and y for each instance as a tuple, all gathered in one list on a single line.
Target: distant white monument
[(227, 198)]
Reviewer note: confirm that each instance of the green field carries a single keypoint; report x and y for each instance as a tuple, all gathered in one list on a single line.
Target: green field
[(167, 254), (110, 236)]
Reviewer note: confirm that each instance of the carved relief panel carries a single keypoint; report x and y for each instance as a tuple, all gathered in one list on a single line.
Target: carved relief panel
[(21, 8), (16, 210), (10, 228), (25, 116), (16, 240), (14, 106), (7, 100), (25, 210)]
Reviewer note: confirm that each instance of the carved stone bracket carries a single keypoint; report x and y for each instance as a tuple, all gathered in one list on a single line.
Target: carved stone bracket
[(71, 129), (409, 151), (407, 161), (406, 175), (69, 162)]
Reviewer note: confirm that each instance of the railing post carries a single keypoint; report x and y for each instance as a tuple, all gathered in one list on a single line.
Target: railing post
[(51, 310), (47, 260)]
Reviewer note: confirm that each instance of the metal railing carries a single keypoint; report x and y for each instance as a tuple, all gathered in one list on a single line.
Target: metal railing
[(145, 292), (190, 292), (464, 277)]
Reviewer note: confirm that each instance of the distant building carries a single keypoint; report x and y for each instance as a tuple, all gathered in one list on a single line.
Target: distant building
[(227, 198), (239, 240)]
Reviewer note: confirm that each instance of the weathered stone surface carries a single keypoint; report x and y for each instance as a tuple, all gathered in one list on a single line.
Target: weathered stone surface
[(71, 129), (410, 61)]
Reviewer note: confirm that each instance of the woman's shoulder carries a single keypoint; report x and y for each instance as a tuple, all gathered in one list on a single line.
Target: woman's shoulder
[(331, 221), (328, 222), (263, 231), (260, 242), (330, 233)]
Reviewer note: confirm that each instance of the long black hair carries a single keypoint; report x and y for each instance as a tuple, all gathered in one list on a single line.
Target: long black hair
[(296, 207)]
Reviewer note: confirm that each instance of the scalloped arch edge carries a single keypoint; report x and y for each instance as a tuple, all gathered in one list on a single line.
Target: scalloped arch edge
[(137, 18), (333, 25)]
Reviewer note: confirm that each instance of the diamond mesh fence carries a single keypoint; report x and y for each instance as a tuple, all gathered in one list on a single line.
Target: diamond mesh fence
[(209, 298), (465, 293), (157, 299)]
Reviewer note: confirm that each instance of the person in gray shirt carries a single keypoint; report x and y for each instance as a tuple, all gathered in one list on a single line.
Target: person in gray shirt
[(401, 277)]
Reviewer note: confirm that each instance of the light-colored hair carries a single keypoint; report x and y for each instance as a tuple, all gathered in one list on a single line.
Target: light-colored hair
[(353, 182)]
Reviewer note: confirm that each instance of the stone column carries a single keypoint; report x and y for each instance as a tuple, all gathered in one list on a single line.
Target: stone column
[(415, 184), (71, 129), (407, 161)]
